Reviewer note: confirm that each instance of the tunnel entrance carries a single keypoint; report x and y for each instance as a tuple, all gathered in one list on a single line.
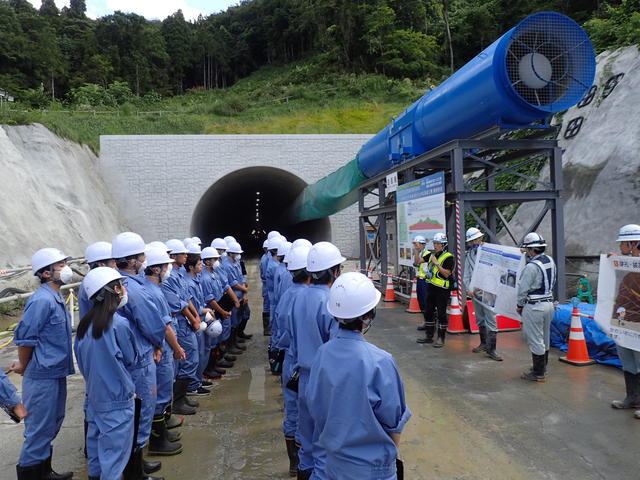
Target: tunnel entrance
[(248, 203)]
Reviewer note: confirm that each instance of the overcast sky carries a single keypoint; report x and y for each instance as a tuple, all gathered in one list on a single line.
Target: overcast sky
[(151, 9)]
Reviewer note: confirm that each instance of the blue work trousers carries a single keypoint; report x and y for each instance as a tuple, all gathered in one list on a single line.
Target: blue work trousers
[(164, 380), (109, 441), (290, 423), (45, 400), (421, 292), (144, 379), (226, 327), (265, 301), (187, 339), (203, 358), (305, 435)]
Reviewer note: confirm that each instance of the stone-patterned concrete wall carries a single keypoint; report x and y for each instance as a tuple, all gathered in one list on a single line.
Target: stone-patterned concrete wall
[(147, 174)]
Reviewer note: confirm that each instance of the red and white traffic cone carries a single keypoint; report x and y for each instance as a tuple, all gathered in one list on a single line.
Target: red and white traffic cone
[(577, 354), (414, 306), (390, 294), (456, 325)]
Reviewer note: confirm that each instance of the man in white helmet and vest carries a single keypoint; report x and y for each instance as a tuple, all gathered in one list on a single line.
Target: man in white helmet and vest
[(439, 270), (628, 300), (485, 318), (535, 303), (420, 260), (355, 393)]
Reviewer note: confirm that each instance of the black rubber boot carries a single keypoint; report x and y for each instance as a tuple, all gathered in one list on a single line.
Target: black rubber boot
[(491, 346), (241, 327), (93, 478), (150, 467), (231, 348), (537, 372), (159, 443), (632, 386), (292, 452), (173, 436), (33, 472), (234, 340), (439, 343), (49, 474), (230, 358), (429, 331), (135, 468), (86, 429), (304, 474), (180, 405), (172, 421), (266, 330), (483, 341)]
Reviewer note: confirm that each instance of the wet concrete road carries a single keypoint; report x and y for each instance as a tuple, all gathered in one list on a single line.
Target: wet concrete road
[(473, 418)]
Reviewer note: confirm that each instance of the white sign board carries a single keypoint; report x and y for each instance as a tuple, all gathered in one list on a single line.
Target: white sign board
[(392, 182), (495, 278), (618, 308), (420, 209)]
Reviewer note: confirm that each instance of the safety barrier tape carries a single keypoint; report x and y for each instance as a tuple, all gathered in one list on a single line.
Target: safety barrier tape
[(379, 273)]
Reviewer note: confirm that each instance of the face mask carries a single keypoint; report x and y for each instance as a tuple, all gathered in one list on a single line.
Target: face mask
[(366, 324), (238, 257), (224, 254), (475, 246), (66, 274), (216, 264), (123, 300), (166, 274), (144, 266)]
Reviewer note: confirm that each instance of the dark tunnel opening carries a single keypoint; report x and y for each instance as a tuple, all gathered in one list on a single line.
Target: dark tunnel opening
[(233, 206)]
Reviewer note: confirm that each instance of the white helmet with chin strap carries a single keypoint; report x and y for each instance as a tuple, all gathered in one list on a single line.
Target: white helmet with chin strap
[(98, 278), (473, 233), (127, 244), (533, 240), (176, 247), (219, 243), (351, 296), (273, 233), (99, 251), (296, 258), (629, 233), (322, 256)]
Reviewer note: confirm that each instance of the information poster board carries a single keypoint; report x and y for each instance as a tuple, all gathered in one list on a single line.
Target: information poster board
[(618, 308), (420, 210), (495, 278)]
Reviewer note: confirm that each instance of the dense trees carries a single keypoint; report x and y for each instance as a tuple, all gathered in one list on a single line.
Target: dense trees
[(56, 53)]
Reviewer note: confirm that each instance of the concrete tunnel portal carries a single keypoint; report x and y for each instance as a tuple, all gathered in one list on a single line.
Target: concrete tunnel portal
[(250, 201)]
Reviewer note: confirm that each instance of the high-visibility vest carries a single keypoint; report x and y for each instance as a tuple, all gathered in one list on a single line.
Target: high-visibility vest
[(422, 272), (548, 269), (436, 279)]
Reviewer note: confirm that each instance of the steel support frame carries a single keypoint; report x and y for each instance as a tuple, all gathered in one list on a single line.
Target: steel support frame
[(485, 159)]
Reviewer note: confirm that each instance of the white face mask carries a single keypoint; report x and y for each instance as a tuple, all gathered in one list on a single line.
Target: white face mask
[(167, 273), (238, 257), (123, 301), (66, 274), (144, 266)]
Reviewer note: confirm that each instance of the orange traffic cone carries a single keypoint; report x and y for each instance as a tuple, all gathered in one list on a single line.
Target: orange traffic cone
[(414, 306), (369, 274), (577, 353), (456, 325), (390, 294)]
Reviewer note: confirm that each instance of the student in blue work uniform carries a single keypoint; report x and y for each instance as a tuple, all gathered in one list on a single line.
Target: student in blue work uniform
[(148, 327), (239, 286), (9, 397), (214, 291), (296, 264), (96, 255), (43, 337), (193, 267), (311, 326), (176, 291), (281, 277), (264, 261), (163, 442), (272, 266), (106, 352), (230, 301), (355, 394)]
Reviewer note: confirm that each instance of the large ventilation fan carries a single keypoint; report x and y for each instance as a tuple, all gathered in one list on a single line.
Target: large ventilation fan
[(546, 62)]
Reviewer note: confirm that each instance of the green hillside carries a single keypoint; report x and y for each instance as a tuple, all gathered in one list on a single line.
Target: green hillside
[(267, 101)]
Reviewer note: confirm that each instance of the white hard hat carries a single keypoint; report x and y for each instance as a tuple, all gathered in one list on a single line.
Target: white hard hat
[(158, 256), (532, 240), (219, 243), (273, 233), (274, 243), (214, 329), (473, 233), (126, 244), (209, 252), (323, 255), (229, 239), (419, 239), (46, 257), (284, 248), (629, 233), (234, 247), (98, 251), (197, 240), (301, 241), (158, 244), (439, 238), (175, 246), (194, 248), (187, 241), (97, 278), (265, 243), (297, 257), (352, 295)]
